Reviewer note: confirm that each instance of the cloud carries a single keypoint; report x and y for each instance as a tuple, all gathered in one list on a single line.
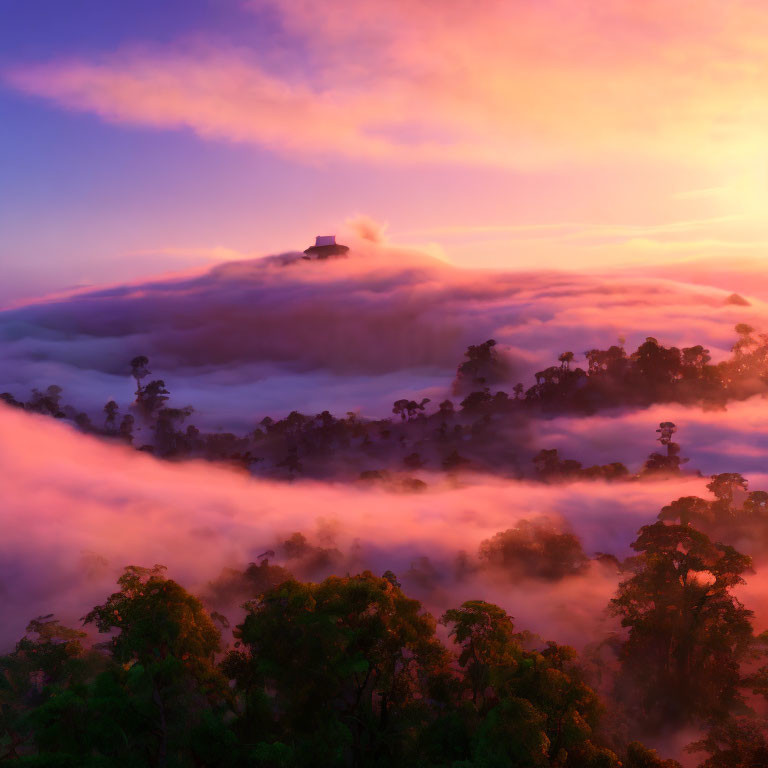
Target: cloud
[(519, 85), (728, 440), (367, 228), (76, 510), (245, 339)]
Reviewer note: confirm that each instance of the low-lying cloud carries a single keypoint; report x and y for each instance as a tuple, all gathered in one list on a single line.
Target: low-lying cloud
[(251, 338), (76, 510)]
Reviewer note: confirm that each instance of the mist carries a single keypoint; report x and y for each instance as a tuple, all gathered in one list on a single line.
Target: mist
[(243, 340), (77, 511)]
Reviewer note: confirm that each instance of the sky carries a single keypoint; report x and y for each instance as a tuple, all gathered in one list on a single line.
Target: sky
[(139, 138)]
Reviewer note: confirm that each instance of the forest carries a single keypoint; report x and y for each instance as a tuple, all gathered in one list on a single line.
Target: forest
[(350, 671), (479, 429), (277, 665)]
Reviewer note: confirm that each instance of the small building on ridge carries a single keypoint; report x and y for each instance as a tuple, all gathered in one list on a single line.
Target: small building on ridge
[(326, 247)]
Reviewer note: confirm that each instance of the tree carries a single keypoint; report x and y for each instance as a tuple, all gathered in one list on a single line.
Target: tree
[(165, 646), (46, 664), (738, 742), (47, 402), (535, 549), (549, 465), (415, 408), (344, 666), (9, 399), (687, 632), (408, 409), (687, 510), (413, 461), (291, 462), (666, 432), (153, 397), (726, 487), (126, 428), (669, 462), (482, 367), (236, 587), (535, 707), (168, 440), (487, 641), (612, 362), (83, 421), (756, 506), (476, 401), (157, 618), (455, 461), (745, 341), (400, 408), (639, 756), (154, 698), (657, 367), (694, 361), (139, 370), (111, 410)]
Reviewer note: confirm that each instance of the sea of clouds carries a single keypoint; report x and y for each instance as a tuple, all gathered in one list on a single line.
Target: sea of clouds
[(247, 339), (76, 510)]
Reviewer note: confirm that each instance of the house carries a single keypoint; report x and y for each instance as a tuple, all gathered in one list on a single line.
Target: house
[(326, 247)]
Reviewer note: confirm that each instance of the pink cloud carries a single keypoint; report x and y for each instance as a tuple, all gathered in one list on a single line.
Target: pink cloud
[(75, 511), (518, 84), (354, 334)]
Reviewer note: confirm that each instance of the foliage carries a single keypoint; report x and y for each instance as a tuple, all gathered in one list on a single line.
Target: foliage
[(687, 632), (350, 672), (535, 549)]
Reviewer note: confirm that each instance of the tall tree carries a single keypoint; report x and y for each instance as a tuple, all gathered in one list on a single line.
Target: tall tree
[(139, 370), (687, 631), (345, 665), (165, 642), (111, 410)]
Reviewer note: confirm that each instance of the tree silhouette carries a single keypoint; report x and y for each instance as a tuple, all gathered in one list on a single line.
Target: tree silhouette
[(126, 428), (153, 397), (455, 461), (485, 634), (291, 462), (535, 549), (371, 655), (670, 461), (139, 370), (167, 641), (725, 487), (47, 402), (400, 408), (738, 742), (111, 410), (687, 632), (688, 510)]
